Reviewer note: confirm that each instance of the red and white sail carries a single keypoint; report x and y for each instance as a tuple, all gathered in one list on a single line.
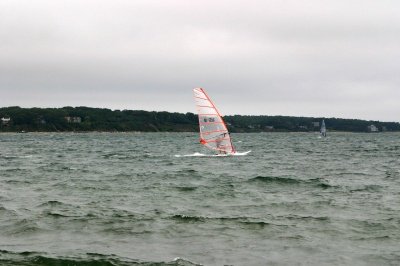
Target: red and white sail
[(213, 131)]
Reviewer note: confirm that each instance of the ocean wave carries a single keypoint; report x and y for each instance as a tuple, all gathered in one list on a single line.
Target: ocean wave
[(352, 174), (188, 171), (58, 167), (183, 188), (102, 217), (13, 181), (57, 215), (4, 212), (122, 156), (243, 221), (367, 188), (12, 157), (187, 218), (21, 227), (117, 213), (126, 230), (276, 179), (392, 174), (291, 181), (376, 226), (369, 238), (51, 203), (12, 170), (29, 258), (306, 218), (57, 209)]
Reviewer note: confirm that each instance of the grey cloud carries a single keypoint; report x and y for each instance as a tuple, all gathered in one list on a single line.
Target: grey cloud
[(321, 58)]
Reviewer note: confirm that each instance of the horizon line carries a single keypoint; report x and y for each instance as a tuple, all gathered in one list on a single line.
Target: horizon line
[(117, 109)]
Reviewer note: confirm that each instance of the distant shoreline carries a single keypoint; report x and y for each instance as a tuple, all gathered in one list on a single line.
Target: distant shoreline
[(87, 119)]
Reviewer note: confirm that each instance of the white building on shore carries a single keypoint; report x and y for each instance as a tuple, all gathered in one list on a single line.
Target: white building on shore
[(5, 121), (372, 128)]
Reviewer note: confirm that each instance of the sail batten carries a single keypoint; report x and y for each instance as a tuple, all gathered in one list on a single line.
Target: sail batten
[(209, 132), (206, 106), (213, 131), (208, 114)]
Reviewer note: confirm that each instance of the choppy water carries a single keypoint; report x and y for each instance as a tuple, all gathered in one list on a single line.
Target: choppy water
[(126, 199)]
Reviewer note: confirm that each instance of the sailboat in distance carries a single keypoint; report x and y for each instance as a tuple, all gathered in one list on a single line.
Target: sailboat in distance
[(323, 129), (213, 131)]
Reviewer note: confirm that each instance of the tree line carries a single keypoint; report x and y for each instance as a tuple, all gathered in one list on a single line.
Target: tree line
[(18, 119)]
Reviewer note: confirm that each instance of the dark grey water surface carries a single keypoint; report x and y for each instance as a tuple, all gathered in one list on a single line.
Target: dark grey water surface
[(126, 199)]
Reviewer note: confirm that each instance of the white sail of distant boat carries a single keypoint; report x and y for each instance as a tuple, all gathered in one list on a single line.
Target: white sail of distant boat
[(323, 129), (213, 131)]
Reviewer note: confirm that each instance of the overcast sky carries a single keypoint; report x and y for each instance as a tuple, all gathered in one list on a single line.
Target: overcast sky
[(301, 58)]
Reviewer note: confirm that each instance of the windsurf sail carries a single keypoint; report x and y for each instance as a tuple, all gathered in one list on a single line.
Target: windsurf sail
[(323, 129), (213, 131)]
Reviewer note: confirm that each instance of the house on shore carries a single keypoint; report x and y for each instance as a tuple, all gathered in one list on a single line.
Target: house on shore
[(73, 119), (5, 121), (372, 129), (269, 128), (315, 125)]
